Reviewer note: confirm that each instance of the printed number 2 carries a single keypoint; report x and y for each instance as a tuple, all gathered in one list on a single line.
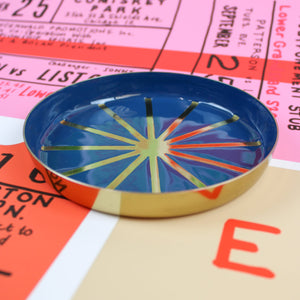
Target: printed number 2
[(5, 273), (215, 57), (36, 14), (17, 12)]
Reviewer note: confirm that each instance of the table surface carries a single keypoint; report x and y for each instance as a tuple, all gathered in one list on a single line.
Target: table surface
[(51, 248)]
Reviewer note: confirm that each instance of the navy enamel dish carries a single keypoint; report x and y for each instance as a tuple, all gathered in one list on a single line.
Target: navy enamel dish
[(150, 144)]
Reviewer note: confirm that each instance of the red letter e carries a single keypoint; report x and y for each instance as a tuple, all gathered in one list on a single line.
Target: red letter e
[(228, 242)]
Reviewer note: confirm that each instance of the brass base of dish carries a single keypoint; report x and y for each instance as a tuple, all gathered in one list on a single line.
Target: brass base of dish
[(154, 205)]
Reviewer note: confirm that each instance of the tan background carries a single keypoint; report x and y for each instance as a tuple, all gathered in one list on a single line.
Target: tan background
[(172, 258)]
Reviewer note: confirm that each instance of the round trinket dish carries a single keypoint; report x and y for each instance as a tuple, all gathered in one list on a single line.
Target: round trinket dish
[(150, 144)]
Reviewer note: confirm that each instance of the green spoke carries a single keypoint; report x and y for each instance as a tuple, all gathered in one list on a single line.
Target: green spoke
[(149, 118), (190, 177), (66, 148), (99, 163), (98, 132), (123, 175), (154, 171), (122, 122)]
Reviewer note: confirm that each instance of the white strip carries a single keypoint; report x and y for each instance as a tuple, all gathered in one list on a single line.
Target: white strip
[(11, 130), (285, 164), (105, 100), (64, 276)]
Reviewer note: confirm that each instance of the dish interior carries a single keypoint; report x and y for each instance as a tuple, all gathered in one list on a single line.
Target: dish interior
[(151, 140)]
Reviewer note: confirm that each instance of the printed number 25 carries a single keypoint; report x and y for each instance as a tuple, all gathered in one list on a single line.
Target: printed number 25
[(36, 14)]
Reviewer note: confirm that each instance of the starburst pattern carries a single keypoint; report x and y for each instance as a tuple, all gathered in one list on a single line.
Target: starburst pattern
[(166, 148)]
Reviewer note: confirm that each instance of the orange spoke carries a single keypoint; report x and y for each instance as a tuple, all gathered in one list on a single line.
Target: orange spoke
[(203, 129), (216, 145), (178, 121), (209, 162)]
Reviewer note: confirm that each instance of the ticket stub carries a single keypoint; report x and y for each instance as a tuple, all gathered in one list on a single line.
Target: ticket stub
[(31, 213), (237, 43), (24, 81)]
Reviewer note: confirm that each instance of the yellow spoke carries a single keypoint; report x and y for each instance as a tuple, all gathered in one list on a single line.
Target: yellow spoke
[(203, 129), (149, 117), (122, 176), (178, 121), (190, 177), (99, 163), (155, 182), (65, 148), (122, 122), (98, 132)]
